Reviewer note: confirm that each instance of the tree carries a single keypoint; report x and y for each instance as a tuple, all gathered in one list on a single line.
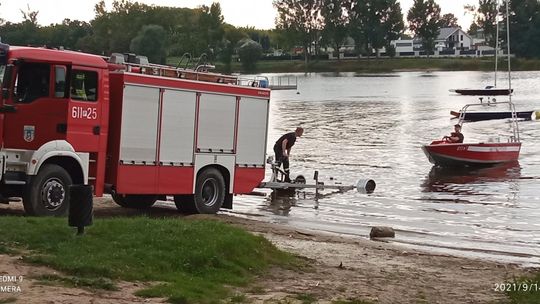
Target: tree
[(335, 23), (260, 36), (473, 29), (249, 51), (211, 27), (68, 34), (231, 38), (377, 21), (114, 30), (485, 18), (300, 19), (392, 20), (27, 32), (525, 28), (449, 20), (30, 15), (150, 42), (424, 19), (358, 25)]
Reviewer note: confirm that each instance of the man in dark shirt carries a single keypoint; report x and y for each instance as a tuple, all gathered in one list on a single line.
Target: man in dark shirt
[(456, 137), (282, 149)]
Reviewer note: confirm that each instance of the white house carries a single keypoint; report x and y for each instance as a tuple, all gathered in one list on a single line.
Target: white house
[(406, 45), (402, 45), (453, 38)]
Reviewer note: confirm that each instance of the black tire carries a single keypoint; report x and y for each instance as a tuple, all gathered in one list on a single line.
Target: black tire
[(47, 193), (135, 201), (209, 194), (185, 204)]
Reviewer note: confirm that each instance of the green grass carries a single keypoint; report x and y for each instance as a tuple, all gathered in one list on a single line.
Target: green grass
[(518, 296), (5, 249), (193, 260), (385, 65)]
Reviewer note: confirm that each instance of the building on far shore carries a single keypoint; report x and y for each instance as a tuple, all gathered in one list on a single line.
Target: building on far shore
[(451, 42), (453, 38)]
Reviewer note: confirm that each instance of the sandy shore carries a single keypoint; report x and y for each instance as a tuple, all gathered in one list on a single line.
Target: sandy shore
[(343, 269)]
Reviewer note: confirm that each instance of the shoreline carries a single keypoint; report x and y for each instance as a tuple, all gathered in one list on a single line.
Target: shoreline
[(381, 65), (343, 268)]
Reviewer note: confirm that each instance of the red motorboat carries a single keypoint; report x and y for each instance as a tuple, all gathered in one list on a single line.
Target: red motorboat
[(445, 153), (476, 154)]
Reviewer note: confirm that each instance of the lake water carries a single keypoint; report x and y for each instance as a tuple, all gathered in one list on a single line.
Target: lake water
[(359, 125)]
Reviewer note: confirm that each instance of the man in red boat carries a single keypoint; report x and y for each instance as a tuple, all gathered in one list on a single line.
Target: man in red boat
[(455, 137), (282, 149)]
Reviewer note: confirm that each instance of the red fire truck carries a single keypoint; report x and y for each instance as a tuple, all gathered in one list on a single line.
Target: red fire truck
[(135, 130)]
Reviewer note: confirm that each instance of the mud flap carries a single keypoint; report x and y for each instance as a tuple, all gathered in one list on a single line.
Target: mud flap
[(227, 204)]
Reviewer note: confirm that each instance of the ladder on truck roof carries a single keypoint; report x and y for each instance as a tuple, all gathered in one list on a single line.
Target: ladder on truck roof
[(140, 64)]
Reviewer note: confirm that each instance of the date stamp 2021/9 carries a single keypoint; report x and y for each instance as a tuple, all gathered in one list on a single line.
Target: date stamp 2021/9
[(10, 284), (516, 287)]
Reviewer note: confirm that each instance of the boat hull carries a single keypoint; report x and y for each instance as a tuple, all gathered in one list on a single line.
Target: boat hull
[(476, 154), (483, 92), (478, 116)]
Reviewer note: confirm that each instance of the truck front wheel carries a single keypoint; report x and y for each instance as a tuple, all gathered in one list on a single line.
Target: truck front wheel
[(47, 194), (209, 194)]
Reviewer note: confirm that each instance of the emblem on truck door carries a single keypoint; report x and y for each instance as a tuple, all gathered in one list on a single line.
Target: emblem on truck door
[(29, 133)]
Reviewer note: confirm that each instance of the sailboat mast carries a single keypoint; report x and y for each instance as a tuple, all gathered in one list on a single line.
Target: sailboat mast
[(512, 106), (508, 50), (496, 40)]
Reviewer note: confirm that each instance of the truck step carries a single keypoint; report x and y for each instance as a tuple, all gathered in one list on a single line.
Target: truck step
[(15, 182)]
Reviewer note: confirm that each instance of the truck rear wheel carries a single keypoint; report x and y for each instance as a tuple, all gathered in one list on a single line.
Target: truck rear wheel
[(135, 201), (209, 194), (47, 194)]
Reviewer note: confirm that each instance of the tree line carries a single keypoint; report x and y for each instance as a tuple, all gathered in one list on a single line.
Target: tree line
[(155, 31), (161, 32), (373, 24)]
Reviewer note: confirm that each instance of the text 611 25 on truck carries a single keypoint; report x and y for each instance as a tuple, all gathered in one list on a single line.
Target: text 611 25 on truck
[(136, 130)]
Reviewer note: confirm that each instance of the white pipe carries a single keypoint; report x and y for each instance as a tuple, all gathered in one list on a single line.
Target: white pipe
[(365, 186)]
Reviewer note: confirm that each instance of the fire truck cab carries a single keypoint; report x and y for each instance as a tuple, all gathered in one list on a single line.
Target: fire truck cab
[(137, 131)]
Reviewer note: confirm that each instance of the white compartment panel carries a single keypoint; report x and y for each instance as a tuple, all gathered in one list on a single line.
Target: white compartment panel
[(139, 124), (177, 127), (252, 120), (216, 123)]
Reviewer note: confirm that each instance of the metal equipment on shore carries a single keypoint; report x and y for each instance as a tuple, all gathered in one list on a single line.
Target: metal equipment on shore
[(280, 187)]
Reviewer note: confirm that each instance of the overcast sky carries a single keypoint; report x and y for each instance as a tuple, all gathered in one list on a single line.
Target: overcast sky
[(258, 13)]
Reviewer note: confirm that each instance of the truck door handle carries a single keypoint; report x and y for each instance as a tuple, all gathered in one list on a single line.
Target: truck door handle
[(96, 130)]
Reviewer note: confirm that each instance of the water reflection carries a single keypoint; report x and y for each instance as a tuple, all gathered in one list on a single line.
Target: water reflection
[(454, 180), (279, 204)]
